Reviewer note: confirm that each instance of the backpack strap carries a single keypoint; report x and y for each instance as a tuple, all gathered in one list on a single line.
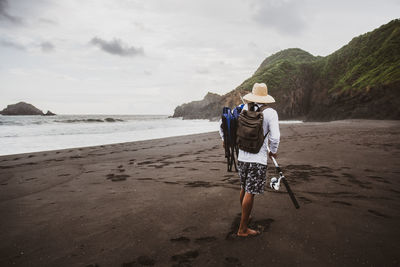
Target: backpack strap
[(251, 106), (262, 108)]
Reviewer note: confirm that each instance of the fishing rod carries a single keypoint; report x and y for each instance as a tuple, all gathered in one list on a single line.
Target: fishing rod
[(241, 98), (275, 183)]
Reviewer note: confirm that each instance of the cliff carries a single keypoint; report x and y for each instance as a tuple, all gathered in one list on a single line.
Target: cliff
[(360, 80), (208, 108)]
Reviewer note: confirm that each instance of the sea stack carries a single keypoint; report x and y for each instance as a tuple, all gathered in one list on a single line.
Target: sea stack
[(49, 113), (21, 108)]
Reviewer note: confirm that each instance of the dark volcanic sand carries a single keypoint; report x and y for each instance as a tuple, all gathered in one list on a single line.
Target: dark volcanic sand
[(171, 202)]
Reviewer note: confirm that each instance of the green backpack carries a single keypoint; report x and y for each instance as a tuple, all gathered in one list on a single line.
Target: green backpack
[(250, 133)]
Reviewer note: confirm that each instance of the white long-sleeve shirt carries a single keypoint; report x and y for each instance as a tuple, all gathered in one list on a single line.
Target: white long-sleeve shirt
[(271, 125)]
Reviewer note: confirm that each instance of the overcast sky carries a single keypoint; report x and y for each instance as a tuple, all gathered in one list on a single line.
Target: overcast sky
[(147, 57)]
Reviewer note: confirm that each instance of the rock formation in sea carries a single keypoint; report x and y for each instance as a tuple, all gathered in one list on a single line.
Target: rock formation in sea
[(21, 108), (49, 113), (360, 80)]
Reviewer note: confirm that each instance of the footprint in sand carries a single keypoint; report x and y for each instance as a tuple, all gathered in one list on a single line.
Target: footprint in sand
[(118, 177), (141, 260), (198, 184), (342, 202), (379, 179), (145, 162), (232, 261), (305, 200), (145, 179), (378, 214), (261, 225), (167, 182), (186, 257), (190, 229), (181, 239), (205, 239)]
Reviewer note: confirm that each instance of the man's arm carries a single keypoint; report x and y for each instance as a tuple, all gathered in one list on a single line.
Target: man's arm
[(274, 134), (221, 132)]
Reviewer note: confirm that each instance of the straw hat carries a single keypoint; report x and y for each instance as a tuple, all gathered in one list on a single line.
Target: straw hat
[(259, 94)]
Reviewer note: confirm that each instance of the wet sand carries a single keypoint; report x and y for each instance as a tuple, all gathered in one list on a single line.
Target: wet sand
[(172, 202)]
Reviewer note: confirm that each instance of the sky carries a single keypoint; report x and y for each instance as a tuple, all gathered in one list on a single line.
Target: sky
[(149, 56)]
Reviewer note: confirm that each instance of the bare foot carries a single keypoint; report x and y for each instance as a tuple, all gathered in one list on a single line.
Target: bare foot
[(249, 232)]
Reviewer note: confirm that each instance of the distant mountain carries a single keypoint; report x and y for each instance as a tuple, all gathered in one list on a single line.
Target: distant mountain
[(203, 109), (23, 108), (360, 80)]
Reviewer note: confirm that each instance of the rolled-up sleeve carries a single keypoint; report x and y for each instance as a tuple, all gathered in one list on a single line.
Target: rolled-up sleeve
[(274, 135), (221, 131)]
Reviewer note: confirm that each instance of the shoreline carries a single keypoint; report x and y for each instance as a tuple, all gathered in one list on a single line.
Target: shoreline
[(171, 201), (35, 135), (102, 145), (281, 123)]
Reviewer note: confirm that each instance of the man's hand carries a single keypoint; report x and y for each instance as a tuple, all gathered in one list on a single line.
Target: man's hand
[(270, 154)]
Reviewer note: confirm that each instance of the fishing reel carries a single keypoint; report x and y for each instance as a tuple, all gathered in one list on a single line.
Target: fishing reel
[(276, 182)]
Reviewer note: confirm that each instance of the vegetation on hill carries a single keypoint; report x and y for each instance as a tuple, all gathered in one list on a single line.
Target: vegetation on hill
[(368, 60), (360, 80)]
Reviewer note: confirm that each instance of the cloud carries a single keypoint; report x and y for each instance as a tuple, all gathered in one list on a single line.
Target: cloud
[(285, 16), (7, 43), (202, 70), (116, 47), (47, 21), (4, 15), (47, 47)]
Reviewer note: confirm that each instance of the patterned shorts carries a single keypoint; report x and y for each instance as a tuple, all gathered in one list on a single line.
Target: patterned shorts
[(252, 176)]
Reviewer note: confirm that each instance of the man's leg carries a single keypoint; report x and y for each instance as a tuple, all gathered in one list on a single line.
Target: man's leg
[(241, 196), (247, 205), (242, 192)]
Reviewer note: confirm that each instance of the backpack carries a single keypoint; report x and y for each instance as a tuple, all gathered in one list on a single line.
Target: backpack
[(250, 133), (235, 117), (229, 127), (226, 125)]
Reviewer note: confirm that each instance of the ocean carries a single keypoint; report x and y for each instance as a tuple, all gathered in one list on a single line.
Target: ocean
[(22, 134)]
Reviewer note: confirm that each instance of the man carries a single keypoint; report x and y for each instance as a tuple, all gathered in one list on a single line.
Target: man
[(253, 166)]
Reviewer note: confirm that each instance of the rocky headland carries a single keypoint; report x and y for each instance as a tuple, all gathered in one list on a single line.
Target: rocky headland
[(361, 80)]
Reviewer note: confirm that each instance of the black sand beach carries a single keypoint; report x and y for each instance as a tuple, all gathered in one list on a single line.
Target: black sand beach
[(171, 202)]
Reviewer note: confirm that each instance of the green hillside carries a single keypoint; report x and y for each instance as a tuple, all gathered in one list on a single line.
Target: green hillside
[(276, 69), (291, 55), (368, 60), (360, 80)]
